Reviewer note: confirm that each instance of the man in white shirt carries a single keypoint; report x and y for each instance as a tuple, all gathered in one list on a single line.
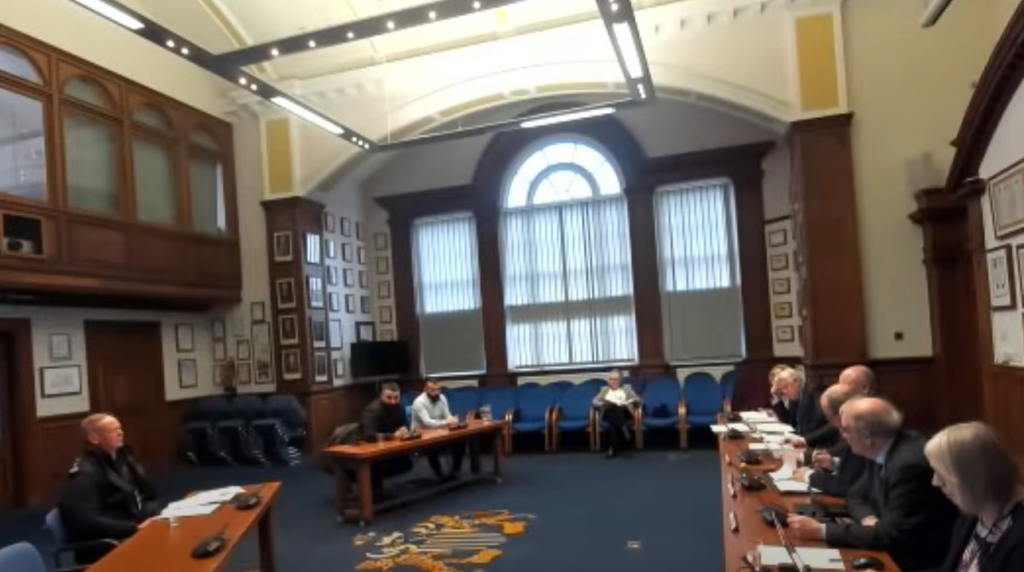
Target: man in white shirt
[(430, 411)]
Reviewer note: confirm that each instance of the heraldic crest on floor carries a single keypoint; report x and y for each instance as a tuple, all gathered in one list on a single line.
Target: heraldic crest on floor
[(461, 543)]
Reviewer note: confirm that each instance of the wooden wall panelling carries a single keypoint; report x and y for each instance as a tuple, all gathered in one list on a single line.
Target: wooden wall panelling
[(643, 242), (824, 196), (86, 249)]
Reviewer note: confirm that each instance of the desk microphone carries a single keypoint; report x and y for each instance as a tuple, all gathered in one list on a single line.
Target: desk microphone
[(798, 563)]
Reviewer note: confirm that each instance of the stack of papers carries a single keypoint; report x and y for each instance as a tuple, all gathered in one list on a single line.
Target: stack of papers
[(202, 503), (770, 446), (757, 417), (737, 426), (775, 427), (814, 558)]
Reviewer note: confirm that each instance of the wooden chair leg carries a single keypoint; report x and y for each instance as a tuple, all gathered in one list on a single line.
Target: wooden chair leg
[(683, 436)]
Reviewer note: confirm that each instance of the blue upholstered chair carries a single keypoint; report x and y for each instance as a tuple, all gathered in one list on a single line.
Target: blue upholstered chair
[(64, 552), (728, 387), (574, 413), (663, 407), (534, 405), (702, 400), (463, 401), (502, 402)]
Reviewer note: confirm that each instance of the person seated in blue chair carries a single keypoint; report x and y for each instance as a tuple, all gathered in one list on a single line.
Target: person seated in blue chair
[(430, 411), (108, 495), (385, 418), (617, 404)]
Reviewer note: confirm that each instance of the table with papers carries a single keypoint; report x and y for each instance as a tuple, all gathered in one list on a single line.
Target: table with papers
[(202, 503)]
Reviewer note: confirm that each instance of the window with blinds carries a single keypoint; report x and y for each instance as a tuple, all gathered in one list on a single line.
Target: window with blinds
[(566, 264), (698, 261), (447, 281)]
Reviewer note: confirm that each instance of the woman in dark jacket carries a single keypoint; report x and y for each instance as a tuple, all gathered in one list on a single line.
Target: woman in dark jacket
[(979, 474)]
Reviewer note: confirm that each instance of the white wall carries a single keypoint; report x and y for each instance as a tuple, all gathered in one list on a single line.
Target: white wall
[(1005, 150)]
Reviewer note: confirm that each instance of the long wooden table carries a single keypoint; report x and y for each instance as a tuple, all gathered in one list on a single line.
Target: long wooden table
[(751, 530), (362, 457), (160, 547)]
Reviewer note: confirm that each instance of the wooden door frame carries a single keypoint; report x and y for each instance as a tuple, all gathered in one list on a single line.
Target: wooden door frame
[(22, 409)]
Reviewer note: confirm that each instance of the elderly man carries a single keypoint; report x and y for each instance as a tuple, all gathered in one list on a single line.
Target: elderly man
[(799, 407), (108, 495), (835, 470), (860, 378), (895, 507)]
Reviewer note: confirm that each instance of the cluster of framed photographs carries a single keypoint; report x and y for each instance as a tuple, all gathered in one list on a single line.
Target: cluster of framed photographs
[(60, 378), (778, 234), (251, 360), (385, 317)]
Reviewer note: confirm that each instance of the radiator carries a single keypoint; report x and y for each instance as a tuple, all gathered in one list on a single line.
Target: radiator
[(468, 382), (573, 377)]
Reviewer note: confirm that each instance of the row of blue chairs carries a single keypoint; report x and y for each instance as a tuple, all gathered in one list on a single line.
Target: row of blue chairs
[(560, 407), (245, 429)]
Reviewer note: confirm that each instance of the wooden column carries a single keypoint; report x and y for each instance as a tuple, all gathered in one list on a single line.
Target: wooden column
[(492, 295), (827, 243), (301, 217), (646, 288)]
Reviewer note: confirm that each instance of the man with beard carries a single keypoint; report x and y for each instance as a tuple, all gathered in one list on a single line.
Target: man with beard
[(430, 410), (385, 418), (108, 495)]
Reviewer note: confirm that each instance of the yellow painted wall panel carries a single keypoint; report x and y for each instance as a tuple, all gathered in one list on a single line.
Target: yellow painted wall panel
[(816, 60)]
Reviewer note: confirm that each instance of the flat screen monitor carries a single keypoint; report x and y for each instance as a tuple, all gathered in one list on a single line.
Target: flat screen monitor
[(376, 359)]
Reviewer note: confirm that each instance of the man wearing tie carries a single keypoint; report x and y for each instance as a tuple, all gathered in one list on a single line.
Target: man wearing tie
[(895, 507), (834, 471)]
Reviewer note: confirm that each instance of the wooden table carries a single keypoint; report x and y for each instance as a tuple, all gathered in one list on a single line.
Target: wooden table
[(364, 455), (751, 529), (160, 547)]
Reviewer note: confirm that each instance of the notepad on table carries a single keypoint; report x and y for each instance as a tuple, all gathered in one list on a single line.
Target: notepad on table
[(741, 427), (775, 428), (757, 417), (815, 558), (789, 486), (719, 429)]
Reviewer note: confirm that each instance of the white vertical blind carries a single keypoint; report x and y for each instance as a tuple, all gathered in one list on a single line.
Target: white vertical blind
[(447, 280), (566, 261), (699, 271)]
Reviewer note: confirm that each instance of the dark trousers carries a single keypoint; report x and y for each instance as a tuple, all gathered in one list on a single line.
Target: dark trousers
[(457, 452), (383, 470), (619, 419)]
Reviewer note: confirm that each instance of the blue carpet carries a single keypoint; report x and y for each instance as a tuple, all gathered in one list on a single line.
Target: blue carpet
[(587, 510)]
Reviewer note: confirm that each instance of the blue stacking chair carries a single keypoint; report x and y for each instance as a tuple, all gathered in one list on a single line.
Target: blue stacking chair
[(204, 443), (528, 384), (23, 557), (463, 401), (560, 386), (502, 401), (728, 387), (702, 399), (534, 405), (638, 384), (55, 524), (663, 407), (596, 382), (638, 428), (574, 413)]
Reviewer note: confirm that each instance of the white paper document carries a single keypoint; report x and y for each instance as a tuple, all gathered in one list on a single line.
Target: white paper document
[(789, 486), (717, 429), (815, 558), (741, 427), (757, 417), (775, 428), (200, 504), (189, 510), (769, 446)]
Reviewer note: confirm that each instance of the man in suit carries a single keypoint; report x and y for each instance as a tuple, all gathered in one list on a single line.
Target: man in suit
[(862, 380), (837, 469), (894, 507), (430, 410), (108, 496), (799, 406), (384, 418)]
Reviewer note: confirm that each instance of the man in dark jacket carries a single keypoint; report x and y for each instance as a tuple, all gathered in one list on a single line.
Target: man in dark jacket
[(108, 495), (837, 469), (798, 406), (894, 507), (385, 419)]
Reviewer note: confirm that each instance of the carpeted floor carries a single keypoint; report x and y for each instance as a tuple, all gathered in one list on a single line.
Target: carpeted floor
[(588, 510)]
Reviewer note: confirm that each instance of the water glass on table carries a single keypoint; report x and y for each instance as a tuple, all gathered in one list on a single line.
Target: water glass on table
[(485, 413)]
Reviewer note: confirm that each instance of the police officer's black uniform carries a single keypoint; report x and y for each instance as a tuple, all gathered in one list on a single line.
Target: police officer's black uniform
[(106, 497)]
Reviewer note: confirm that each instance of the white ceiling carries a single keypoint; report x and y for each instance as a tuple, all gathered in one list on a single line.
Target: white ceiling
[(224, 25)]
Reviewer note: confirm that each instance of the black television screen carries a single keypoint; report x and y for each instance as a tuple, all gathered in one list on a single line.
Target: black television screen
[(376, 359)]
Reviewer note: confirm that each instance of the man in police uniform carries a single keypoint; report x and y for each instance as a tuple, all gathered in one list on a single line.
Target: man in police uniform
[(108, 495)]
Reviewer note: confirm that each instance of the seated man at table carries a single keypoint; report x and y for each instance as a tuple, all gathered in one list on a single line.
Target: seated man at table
[(385, 419), (894, 507), (834, 471), (108, 495), (799, 407), (430, 411)]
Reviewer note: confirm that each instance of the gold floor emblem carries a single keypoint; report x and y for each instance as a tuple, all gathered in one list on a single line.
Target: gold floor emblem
[(463, 543)]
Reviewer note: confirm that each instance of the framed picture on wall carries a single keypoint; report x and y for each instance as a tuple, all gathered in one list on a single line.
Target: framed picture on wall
[(288, 329), (1002, 292), (283, 251), (285, 293), (346, 226), (262, 353), (57, 381), (184, 338), (321, 367), (777, 237), (365, 331), (1006, 197), (339, 366), (291, 366), (188, 373), (782, 310), (258, 312), (329, 222), (60, 347), (779, 262), (384, 290), (383, 265), (785, 334), (387, 335), (780, 286), (380, 241), (243, 373)]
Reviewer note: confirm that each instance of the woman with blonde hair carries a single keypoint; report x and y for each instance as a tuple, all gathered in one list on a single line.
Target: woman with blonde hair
[(973, 467)]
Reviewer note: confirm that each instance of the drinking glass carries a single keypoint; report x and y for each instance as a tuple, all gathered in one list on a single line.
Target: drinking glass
[(485, 413), (381, 437)]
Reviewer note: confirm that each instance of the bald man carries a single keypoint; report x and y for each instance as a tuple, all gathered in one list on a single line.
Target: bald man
[(859, 377), (108, 494), (835, 470), (894, 507)]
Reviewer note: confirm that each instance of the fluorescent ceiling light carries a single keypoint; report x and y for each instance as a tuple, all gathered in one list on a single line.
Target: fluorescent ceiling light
[(623, 34), (112, 13), (314, 118), (571, 116)]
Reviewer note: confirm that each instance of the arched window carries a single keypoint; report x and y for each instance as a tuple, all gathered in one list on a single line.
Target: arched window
[(566, 257), (153, 166), (22, 130), (16, 63), (92, 152)]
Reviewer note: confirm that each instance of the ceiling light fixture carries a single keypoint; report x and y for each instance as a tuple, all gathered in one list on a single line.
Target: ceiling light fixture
[(623, 34), (113, 13), (432, 15), (620, 22), (312, 43), (566, 117), (308, 114)]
